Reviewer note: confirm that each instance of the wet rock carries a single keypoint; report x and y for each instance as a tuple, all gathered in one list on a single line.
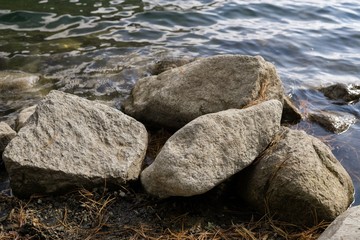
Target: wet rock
[(291, 114), (336, 122), (177, 96), (297, 179), (11, 81), (342, 91), (23, 116), (345, 226), (210, 149), (6, 134), (169, 63), (73, 142)]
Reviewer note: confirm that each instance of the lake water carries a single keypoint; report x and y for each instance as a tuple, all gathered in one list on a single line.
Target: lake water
[(98, 49)]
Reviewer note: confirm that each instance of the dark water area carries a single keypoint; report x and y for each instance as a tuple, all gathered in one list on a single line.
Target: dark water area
[(98, 49)]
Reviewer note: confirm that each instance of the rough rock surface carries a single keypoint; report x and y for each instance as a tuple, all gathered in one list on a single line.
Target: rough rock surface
[(336, 122), (291, 114), (6, 134), (207, 85), (298, 179), (341, 91), (23, 116), (346, 226), (16, 80), (72, 142), (210, 149)]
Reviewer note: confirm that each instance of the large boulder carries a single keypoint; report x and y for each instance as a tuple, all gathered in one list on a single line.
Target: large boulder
[(210, 149), (346, 226), (6, 134), (297, 179), (73, 142), (207, 85)]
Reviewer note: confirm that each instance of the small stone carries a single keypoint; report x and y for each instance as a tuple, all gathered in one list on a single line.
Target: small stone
[(341, 91), (336, 122)]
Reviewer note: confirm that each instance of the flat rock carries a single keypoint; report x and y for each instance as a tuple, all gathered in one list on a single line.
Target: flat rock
[(336, 122), (297, 179), (346, 226), (23, 116), (207, 85), (11, 81), (210, 149), (73, 142), (341, 91)]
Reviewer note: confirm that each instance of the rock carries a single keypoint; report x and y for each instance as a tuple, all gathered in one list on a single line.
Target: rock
[(346, 226), (6, 134), (297, 179), (169, 63), (23, 116), (11, 81), (291, 114), (179, 95), (342, 91), (335, 122), (210, 149), (73, 142)]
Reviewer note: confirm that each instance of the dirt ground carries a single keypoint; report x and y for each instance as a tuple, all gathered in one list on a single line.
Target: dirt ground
[(129, 213)]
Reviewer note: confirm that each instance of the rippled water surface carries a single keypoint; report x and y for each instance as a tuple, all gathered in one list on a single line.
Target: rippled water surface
[(98, 49)]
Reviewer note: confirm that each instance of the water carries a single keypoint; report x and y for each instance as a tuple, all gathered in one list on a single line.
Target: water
[(98, 49)]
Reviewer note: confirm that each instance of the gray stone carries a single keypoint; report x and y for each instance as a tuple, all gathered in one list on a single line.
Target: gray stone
[(336, 122), (179, 95), (291, 114), (210, 149), (23, 116), (345, 227), (11, 81), (341, 91), (6, 134), (73, 142), (297, 179)]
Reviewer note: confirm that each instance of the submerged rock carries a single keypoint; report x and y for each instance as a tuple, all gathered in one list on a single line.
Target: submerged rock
[(298, 179), (23, 116), (346, 226), (179, 95), (210, 149), (11, 81), (73, 142), (6, 134), (335, 122), (341, 91)]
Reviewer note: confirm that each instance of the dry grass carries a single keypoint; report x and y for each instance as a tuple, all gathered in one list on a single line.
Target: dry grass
[(264, 87), (265, 228), (24, 223)]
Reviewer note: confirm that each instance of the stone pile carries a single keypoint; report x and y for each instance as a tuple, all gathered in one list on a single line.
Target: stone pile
[(227, 110)]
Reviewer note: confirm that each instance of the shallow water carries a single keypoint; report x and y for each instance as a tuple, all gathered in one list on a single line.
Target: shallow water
[(98, 49)]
